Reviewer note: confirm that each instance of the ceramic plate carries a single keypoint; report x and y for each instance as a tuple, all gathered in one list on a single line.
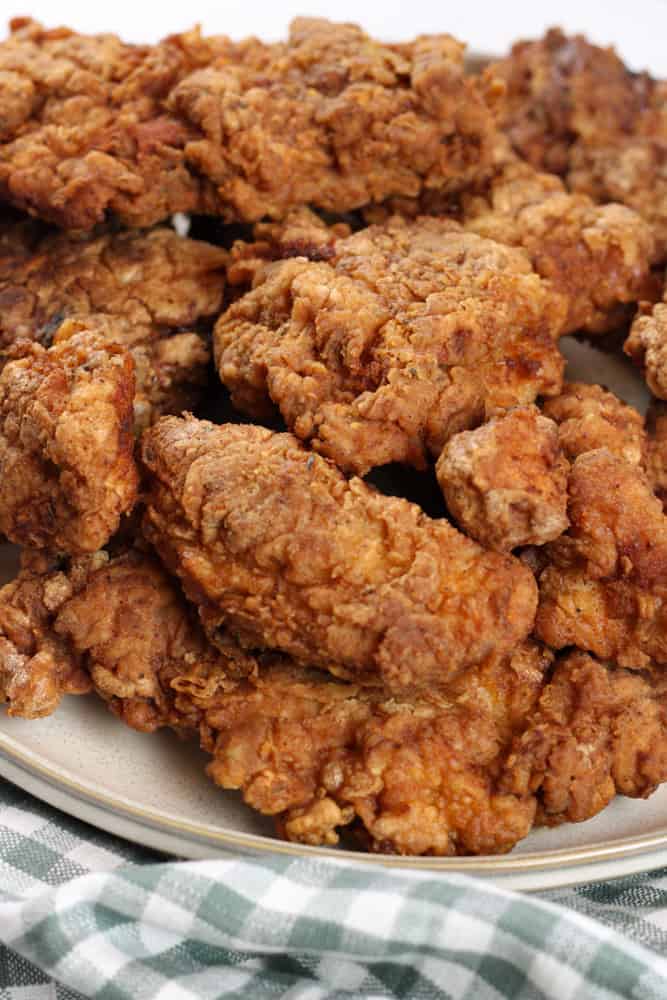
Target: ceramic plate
[(152, 789)]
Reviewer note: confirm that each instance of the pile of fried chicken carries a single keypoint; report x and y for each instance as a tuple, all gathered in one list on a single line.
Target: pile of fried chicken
[(382, 253)]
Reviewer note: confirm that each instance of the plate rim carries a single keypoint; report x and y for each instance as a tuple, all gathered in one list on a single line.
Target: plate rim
[(201, 834)]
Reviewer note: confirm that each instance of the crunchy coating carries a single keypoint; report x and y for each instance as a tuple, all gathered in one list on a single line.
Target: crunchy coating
[(147, 292), (67, 469), (416, 776), (647, 346), (605, 589), (85, 129), (156, 281), (597, 256), (506, 482), (116, 624), (38, 667), (92, 126), (575, 109), (138, 639), (408, 334), (277, 546), (590, 417), (599, 731)]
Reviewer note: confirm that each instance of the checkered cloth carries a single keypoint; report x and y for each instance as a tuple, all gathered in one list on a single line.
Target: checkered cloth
[(84, 914)]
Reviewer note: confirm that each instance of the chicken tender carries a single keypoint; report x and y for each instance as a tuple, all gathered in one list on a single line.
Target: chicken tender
[(67, 469), (138, 638), (506, 482), (597, 256), (277, 547), (93, 127), (605, 589), (575, 109), (148, 292), (38, 667), (409, 333), (590, 417), (599, 731), (415, 776)]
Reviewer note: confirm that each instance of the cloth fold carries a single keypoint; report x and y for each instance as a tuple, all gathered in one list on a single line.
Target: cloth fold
[(85, 914)]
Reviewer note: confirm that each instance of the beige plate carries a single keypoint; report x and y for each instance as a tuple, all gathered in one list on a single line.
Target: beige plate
[(152, 789)]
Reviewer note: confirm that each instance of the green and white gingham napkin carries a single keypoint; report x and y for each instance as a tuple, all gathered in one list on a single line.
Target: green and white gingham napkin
[(84, 914)]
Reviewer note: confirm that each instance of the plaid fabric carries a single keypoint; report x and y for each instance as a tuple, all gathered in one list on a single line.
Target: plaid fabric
[(85, 914)]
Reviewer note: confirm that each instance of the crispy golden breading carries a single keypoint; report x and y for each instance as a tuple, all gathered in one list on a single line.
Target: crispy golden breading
[(38, 667), (577, 110), (417, 776), (156, 281), (605, 590), (67, 469), (597, 256), (276, 546), (647, 346), (86, 131), (147, 292), (408, 334), (591, 417), (92, 126), (136, 636), (599, 731), (506, 482), (656, 462)]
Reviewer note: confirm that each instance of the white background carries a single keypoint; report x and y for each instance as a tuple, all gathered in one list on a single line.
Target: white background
[(639, 29)]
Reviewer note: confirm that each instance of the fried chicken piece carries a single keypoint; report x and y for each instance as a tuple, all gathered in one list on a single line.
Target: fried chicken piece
[(67, 469), (590, 417), (575, 109), (92, 126), (605, 590), (86, 131), (656, 462), (506, 482), (38, 667), (113, 623), (418, 776), (599, 731), (276, 546), (647, 345), (143, 646), (597, 256), (408, 334), (147, 292)]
